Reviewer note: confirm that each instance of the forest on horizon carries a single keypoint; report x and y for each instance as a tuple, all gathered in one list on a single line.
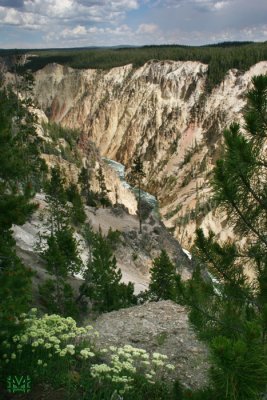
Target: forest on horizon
[(220, 57)]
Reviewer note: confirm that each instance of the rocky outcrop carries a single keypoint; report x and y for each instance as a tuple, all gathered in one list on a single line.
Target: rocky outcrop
[(159, 327), (162, 111), (134, 251), (88, 156)]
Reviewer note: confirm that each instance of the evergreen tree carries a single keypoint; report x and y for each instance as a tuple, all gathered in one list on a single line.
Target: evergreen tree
[(163, 281), (29, 141), (78, 215), (137, 174), (15, 208), (84, 181), (59, 250), (104, 200), (235, 314), (103, 279), (56, 198)]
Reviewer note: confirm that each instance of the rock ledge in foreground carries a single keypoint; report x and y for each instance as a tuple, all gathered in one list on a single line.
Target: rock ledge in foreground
[(159, 327)]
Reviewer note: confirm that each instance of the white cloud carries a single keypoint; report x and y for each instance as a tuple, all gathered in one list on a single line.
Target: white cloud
[(147, 28), (10, 16), (70, 23), (68, 10), (66, 18), (168, 3), (255, 32), (210, 5), (220, 4), (207, 5), (80, 31), (75, 32)]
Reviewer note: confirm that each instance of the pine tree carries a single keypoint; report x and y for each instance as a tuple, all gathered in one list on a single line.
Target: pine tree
[(162, 284), (59, 249), (104, 200), (86, 192), (78, 215), (137, 174), (56, 198), (103, 284), (15, 208), (30, 143), (236, 313)]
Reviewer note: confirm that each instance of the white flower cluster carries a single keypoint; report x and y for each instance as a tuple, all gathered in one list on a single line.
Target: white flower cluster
[(55, 336), (50, 332), (86, 352), (125, 362)]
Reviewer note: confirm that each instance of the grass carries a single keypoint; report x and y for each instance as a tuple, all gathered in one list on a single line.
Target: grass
[(161, 338)]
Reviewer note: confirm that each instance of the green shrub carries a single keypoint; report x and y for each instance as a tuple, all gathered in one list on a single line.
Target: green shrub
[(114, 238), (53, 350)]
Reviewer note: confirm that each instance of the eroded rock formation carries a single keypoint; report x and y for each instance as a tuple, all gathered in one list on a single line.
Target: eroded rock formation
[(162, 111)]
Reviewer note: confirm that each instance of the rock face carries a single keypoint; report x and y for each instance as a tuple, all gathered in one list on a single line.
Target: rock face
[(158, 327), (160, 110), (90, 158), (134, 251)]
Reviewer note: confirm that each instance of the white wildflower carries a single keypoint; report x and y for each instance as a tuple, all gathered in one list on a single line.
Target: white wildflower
[(103, 351), (85, 353), (158, 363), (156, 355), (145, 356), (146, 362)]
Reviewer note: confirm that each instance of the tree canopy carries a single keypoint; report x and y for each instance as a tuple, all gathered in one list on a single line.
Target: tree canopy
[(232, 314)]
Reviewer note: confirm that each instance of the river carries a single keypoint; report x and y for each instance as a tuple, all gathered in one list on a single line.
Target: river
[(120, 170)]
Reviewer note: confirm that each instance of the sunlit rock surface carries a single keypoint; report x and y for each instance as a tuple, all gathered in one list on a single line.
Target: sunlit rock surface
[(160, 110), (161, 327)]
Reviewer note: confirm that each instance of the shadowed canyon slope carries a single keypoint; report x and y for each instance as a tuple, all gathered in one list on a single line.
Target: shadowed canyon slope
[(161, 111)]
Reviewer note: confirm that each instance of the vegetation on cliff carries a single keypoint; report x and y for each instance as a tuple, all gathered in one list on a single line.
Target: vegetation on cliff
[(220, 58), (19, 163), (229, 311), (234, 319)]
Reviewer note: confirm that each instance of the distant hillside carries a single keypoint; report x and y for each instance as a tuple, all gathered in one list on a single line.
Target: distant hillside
[(220, 57)]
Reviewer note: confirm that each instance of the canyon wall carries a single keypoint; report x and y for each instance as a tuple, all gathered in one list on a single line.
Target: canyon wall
[(161, 111)]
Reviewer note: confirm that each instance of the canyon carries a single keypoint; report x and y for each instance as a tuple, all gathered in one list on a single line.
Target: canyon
[(162, 112)]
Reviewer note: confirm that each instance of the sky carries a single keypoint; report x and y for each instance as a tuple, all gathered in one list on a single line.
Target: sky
[(79, 23)]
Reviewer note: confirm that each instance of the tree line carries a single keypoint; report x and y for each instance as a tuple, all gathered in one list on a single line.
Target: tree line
[(220, 58)]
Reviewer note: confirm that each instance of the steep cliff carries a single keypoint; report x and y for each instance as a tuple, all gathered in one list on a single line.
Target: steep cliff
[(162, 112)]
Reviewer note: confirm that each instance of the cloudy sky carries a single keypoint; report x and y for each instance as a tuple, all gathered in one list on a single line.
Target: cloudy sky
[(73, 23)]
